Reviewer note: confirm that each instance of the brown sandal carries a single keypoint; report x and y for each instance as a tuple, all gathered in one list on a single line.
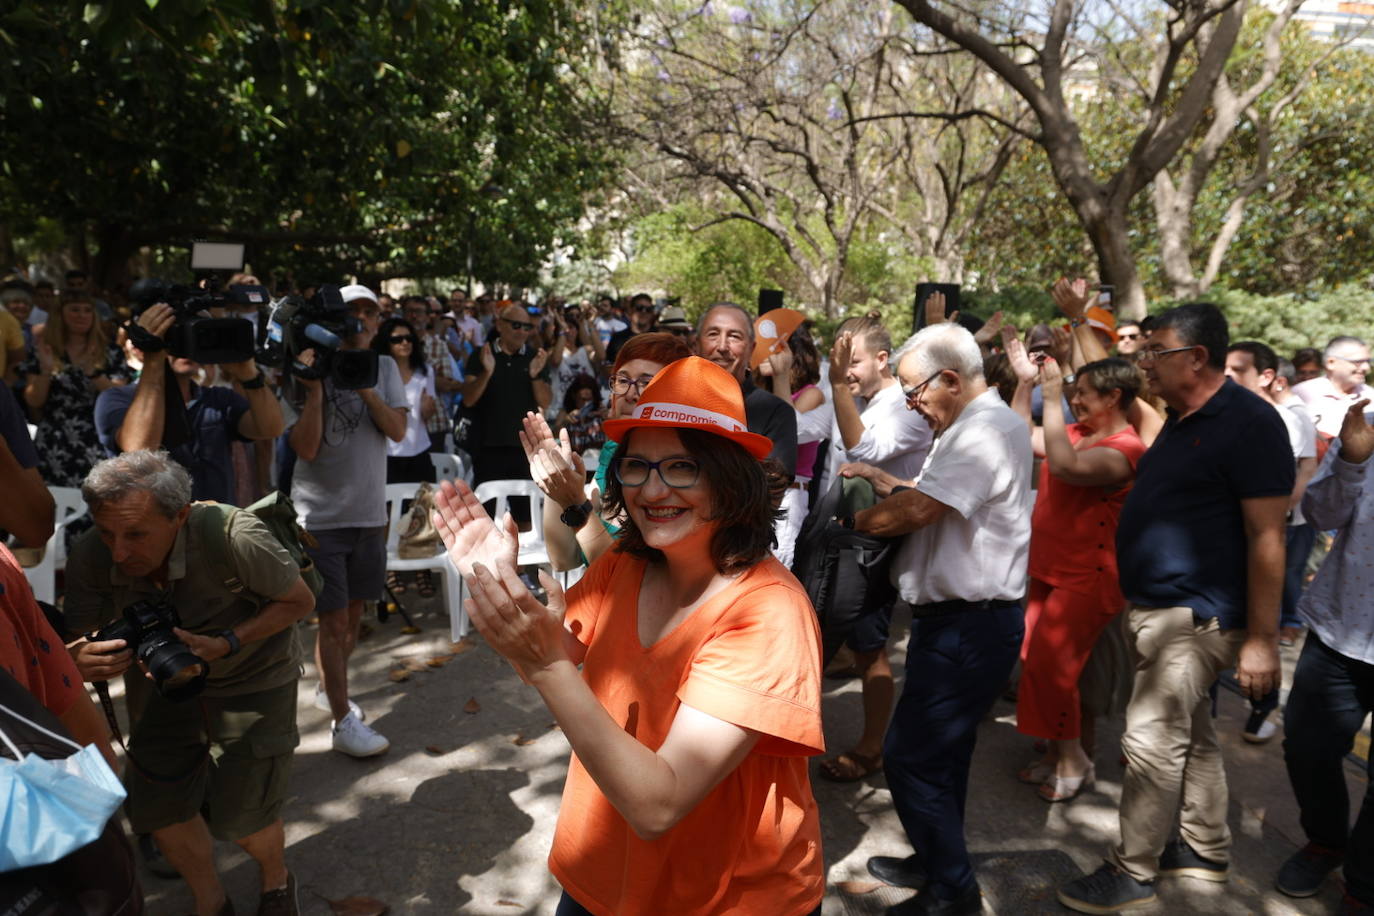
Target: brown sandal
[(424, 584), (851, 766)]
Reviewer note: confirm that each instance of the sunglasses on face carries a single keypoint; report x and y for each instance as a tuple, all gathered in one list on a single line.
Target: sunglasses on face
[(1127, 336), (402, 338), (519, 325)]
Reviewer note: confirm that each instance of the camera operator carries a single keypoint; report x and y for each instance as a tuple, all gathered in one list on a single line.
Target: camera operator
[(134, 417), (216, 766), (339, 489)]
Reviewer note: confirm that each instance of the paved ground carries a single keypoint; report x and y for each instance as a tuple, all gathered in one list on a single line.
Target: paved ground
[(458, 815)]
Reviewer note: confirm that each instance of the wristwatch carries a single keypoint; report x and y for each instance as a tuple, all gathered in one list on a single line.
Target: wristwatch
[(257, 381), (233, 640), (576, 516)]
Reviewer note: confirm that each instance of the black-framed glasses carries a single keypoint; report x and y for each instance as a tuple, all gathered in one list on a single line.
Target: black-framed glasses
[(679, 471), (1151, 354), (1125, 336), (402, 338), (914, 392), (519, 325), (621, 384), (644, 308)]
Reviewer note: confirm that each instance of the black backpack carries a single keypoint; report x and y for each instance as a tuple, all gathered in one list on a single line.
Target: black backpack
[(845, 573), (100, 878)]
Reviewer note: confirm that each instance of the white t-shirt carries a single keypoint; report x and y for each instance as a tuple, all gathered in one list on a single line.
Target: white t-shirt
[(981, 468), (575, 362), (417, 437), (1302, 436), (608, 327)]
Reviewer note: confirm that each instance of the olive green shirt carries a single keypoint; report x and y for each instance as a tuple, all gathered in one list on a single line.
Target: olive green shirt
[(97, 593)]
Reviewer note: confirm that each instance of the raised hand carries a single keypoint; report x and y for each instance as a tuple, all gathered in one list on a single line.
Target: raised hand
[(935, 310), (1073, 298), (1357, 436), (1026, 371), (988, 332), (537, 363), (469, 533), (841, 357), (535, 434), (488, 357), (560, 472), (1050, 376)]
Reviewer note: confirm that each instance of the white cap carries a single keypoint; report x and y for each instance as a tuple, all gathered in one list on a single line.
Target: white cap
[(358, 291)]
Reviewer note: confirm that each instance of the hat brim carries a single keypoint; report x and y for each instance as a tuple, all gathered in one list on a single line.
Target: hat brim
[(753, 443)]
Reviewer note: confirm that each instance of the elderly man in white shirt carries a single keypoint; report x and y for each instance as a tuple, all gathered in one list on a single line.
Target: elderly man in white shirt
[(962, 568), (1329, 397), (886, 436)]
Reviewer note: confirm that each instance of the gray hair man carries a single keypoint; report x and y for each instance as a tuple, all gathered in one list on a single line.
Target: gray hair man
[(237, 606), (1329, 397), (962, 568)]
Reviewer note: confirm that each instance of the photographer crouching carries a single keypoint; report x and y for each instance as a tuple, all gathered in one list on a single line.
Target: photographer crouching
[(213, 723)]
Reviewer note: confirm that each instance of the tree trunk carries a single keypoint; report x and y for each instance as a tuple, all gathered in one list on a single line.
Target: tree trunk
[(1116, 262), (1174, 220)]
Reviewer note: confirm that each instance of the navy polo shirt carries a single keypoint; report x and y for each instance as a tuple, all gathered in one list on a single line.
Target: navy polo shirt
[(1181, 539), (214, 415)]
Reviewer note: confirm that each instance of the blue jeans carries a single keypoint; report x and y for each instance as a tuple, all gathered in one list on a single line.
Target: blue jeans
[(956, 667), (1299, 546), (1330, 696)]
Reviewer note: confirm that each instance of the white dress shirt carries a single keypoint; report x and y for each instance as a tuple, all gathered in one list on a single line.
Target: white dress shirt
[(1328, 404), (981, 468)]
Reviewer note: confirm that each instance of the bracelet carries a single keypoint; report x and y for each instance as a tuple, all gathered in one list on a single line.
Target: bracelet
[(254, 383), (1077, 322)]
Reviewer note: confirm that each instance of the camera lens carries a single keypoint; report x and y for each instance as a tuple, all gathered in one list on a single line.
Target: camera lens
[(177, 671)]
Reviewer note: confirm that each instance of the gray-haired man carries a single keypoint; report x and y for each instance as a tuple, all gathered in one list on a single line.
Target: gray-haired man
[(218, 766)]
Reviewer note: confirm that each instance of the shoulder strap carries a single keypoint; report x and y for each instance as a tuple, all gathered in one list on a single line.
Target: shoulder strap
[(211, 525)]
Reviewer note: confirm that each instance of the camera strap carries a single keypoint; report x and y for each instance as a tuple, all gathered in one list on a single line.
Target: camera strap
[(102, 688)]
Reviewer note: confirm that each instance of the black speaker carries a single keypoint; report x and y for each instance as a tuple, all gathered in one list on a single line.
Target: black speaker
[(769, 299), (923, 291)]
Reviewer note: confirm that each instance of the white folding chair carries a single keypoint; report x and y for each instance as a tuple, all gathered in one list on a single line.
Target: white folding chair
[(452, 466), (43, 577), (397, 495)]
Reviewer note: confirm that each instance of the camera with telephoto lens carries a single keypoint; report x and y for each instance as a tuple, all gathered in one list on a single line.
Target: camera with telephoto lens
[(321, 323), (146, 627)]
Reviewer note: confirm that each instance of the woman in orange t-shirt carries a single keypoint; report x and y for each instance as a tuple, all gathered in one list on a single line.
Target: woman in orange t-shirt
[(1073, 594), (699, 696)]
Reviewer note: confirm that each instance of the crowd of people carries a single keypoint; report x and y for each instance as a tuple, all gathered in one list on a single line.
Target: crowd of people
[(1099, 516)]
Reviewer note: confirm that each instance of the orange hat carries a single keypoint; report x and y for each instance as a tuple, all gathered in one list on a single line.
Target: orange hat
[(771, 330), (1099, 319), (693, 393)]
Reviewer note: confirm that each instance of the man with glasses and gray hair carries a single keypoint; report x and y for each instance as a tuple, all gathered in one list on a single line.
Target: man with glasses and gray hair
[(1329, 397), (962, 569), (1200, 550)]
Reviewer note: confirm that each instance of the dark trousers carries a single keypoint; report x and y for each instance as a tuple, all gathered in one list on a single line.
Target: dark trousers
[(1300, 540), (956, 667), (1329, 699)]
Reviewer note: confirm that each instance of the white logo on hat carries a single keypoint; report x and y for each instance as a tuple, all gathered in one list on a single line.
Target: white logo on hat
[(767, 328)]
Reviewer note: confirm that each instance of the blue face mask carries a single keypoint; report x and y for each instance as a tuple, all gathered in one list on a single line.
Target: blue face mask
[(51, 808)]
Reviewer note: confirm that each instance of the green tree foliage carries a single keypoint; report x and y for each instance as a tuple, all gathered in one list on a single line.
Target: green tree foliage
[(372, 137)]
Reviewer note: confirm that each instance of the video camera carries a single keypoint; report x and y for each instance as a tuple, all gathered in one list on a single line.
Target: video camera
[(146, 627), (321, 323), (196, 335)]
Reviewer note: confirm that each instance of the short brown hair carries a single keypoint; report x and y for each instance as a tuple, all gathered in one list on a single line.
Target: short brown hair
[(1113, 373), (655, 346), (740, 502)]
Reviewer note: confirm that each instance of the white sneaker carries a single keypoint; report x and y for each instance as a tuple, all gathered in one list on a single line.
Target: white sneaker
[(355, 739), (1261, 734), (322, 702)]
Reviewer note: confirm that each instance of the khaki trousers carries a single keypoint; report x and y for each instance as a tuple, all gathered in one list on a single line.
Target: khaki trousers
[(1173, 762)]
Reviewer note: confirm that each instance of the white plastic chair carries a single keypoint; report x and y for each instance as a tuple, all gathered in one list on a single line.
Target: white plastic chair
[(397, 495), (452, 466), (532, 550), (43, 577)]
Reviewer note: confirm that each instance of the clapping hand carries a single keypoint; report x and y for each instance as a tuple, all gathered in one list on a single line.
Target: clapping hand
[(1357, 436), (1073, 298), (989, 331), (537, 363), (935, 310), (1026, 371), (470, 535), (554, 465), (841, 356), (1051, 378)]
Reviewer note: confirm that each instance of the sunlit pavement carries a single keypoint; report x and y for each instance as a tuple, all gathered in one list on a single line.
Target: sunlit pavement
[(459, 814)]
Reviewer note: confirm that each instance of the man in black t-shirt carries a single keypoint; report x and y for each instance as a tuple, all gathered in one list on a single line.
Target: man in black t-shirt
[(503, 379)]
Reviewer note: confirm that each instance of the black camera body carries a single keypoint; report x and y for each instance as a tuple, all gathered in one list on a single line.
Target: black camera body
[(321, 323), (195, 335), (146, 628)]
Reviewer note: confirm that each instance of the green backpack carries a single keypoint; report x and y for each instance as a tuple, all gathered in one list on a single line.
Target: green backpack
[(277, 513)]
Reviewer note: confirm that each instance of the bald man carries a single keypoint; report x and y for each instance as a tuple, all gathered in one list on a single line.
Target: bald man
[(506, 377)]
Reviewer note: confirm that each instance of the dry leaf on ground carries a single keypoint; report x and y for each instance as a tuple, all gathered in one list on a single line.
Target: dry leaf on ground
[(521, 740), (356, 906), (439, 661), (399, 674), (435, 749), (472, 706), (462, 645), (410, 631), (858, 887)]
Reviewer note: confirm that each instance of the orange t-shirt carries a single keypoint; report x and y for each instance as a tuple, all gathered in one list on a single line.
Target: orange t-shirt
[(750, 656), (29, 647), (1073, 528)]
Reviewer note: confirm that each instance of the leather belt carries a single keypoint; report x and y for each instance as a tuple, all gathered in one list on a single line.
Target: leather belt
[(959, 606)]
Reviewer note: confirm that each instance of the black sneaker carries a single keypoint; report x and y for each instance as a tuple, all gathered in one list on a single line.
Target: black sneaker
[(906, 872), (282, 901), (1107, 890), (1179, 859), (969, 903), (1302, 875)]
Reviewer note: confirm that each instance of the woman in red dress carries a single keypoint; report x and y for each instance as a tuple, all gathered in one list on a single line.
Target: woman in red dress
[(1088, 469)]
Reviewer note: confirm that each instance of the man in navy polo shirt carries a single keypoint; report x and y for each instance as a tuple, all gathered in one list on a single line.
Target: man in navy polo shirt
[(1201, 548), (134, 417)]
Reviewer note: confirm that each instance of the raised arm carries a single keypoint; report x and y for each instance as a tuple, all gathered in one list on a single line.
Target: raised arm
[(1338, 487), (1093, 467), (1027, 374)]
